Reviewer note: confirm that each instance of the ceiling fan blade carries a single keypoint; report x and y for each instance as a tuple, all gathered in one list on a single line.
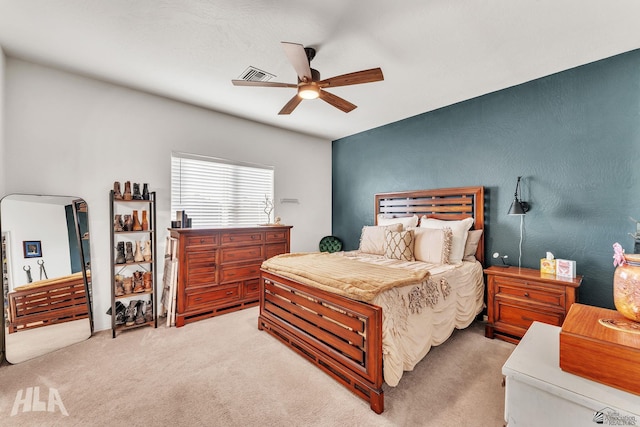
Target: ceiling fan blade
[(336, 101), (291, 105), (261, 84), (298, 58), (365, 76)]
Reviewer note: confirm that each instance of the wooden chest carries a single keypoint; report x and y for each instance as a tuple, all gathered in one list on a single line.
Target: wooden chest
[(219, 268), (597, 352)]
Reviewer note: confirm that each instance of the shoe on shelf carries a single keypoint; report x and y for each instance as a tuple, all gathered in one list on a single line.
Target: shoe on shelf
[(131, 313), (148, 313), (127, 191), (138, 282), (117, 195), (140, 312), (127, 283)]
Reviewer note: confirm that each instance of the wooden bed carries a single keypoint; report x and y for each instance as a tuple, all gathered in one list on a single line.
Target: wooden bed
[(342, 336), (48, 302)]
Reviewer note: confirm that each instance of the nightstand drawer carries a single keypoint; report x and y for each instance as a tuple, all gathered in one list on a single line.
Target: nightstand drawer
[(523, 317), (530, 291)]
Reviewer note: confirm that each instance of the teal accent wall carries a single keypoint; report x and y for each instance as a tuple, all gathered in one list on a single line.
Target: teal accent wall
[(574, 137)]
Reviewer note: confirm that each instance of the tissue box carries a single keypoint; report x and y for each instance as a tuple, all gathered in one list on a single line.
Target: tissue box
[(547, 266), (565, 268)]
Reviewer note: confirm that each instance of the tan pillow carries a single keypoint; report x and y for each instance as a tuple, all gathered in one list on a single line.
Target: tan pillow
[(470, 248), (406, 221), (372, 238), (432, 245), (460, 229), (399, 245)]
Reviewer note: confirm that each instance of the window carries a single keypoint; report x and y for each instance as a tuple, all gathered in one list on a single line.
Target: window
[(220, 193)]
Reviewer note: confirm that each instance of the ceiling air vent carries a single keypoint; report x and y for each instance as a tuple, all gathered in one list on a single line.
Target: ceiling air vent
[(253, 74)]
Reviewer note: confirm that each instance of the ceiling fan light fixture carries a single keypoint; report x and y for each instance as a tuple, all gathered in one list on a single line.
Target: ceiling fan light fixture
[(308, 91)]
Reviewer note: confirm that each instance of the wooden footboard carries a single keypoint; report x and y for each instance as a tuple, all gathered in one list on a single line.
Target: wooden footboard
[(343, 337), (47, 305)]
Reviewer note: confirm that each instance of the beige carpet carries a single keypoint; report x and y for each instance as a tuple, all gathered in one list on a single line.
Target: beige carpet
[(225, 372)]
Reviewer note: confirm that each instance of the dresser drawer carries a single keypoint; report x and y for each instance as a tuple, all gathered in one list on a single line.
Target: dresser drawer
[(216, 294), (241, 272), (530, 291), (507, 313), (242, 253), (274, 249), (275, 236), (200, 268), (252, 288), (241, 238), (194, 242)]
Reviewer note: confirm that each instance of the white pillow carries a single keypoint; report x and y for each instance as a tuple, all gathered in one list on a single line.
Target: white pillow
[(406, 221), (459, 228), (432, 245), (372, 238), (399, 245)]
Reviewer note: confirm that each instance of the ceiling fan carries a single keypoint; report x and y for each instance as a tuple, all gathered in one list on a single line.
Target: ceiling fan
[(309, 84)]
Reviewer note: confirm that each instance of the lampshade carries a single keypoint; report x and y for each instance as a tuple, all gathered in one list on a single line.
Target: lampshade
[(518, 207), (308, 91)]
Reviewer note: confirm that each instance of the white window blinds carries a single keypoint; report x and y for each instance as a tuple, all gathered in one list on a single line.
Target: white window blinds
[(220, 193)]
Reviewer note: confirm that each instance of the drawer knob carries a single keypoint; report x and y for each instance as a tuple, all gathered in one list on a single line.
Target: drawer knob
[(526, 294), (201, 240), (199, 299), (229, 292)]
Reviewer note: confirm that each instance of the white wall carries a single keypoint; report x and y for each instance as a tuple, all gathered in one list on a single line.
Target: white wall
[(71, 135)]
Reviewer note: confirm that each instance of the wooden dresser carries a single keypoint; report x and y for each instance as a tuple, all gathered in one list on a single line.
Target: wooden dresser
[(516, 297), (219, 268)]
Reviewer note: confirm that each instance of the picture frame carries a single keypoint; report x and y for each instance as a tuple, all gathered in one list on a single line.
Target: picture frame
[(32, 248)]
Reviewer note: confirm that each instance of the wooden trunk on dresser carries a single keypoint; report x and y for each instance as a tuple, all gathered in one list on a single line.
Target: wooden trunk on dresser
[(219, 268)]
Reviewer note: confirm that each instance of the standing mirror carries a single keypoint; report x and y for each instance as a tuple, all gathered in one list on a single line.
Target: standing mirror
[(46, 274)]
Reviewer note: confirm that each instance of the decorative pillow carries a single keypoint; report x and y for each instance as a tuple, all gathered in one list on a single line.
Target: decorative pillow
[(432, 245), (372, 238), (406, 221), (459, 228), (470, 248), (399, 245)]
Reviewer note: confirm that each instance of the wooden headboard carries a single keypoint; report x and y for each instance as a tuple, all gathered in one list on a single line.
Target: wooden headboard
[(443, 203)]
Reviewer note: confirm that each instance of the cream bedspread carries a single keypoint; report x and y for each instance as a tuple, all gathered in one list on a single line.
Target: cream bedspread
[(416, 315)]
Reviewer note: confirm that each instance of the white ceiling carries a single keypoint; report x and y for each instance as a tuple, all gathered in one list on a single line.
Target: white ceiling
[(433, 53)]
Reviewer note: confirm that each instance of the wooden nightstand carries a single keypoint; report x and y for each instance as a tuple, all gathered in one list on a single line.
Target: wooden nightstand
[(516, 297)]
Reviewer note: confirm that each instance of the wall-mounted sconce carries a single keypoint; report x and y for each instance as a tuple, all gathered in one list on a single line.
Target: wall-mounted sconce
[(518, 207)]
